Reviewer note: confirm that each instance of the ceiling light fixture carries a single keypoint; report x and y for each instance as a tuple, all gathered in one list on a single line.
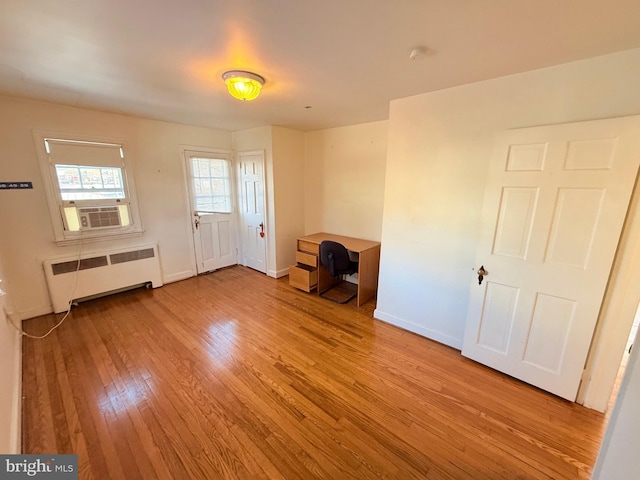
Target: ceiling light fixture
[(243, 85)]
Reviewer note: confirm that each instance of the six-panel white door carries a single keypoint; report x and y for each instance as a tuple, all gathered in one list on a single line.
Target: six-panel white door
[(554, 207), (252, 214), (213, 218)]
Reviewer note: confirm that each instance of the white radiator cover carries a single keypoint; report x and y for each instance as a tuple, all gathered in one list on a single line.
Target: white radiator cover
[(100, 273)]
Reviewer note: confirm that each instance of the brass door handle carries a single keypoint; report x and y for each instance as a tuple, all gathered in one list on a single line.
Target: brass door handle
[(481, 273)]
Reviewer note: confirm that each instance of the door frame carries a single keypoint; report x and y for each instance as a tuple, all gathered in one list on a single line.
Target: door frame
[(187, 194), (620, 303), (240, 220)]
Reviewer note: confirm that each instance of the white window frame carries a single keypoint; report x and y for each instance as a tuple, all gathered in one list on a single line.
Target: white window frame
[(227, 179), (54, 196)]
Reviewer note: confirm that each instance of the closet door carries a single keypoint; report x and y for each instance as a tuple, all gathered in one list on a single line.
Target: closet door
[(553, 212)]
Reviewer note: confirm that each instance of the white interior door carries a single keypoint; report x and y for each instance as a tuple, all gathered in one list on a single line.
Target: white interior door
[(554, 207), (213, 216), (252, 215)]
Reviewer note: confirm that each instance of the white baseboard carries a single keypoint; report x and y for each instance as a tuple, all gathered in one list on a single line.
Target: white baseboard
[(176, 277), (420, 330), (277, 273), (32, 313), (281, 273)]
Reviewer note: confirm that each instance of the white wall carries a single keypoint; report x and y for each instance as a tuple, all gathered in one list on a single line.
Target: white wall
[(288, 170), (618, 457), (10, 376), (439, 147), (344, 180), (154, 147)]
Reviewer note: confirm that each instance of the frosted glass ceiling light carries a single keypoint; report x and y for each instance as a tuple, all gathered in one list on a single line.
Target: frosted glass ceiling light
[(243, 85)]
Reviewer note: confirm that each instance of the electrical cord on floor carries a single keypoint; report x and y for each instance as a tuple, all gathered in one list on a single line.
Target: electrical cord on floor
[(28, 335), (67, 313)]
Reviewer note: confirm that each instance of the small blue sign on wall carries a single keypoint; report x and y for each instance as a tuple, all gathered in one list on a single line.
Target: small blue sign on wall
[(15, 185)]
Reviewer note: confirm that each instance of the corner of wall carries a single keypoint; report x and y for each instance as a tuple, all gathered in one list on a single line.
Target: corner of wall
[(15, 441), (11, 407)]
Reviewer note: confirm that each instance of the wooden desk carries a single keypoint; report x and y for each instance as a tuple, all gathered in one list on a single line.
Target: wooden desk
[(309, 274)]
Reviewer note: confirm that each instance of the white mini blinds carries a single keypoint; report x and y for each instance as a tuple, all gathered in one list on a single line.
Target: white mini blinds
[(84, 153)]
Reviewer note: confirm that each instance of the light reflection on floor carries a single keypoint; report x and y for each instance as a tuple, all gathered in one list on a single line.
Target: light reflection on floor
[(124, 394), (222, 341)]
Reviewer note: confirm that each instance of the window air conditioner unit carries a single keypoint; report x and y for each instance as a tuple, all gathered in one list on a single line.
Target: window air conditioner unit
[(98, 217)]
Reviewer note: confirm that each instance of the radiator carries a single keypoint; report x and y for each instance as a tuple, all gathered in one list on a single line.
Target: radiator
[(100, 273)]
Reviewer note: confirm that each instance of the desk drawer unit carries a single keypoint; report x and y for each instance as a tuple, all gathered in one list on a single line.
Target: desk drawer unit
[(308, 247), (303, 277), (307, 259)]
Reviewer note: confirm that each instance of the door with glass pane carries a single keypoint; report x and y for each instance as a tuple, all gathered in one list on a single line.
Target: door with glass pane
[(213, 218)]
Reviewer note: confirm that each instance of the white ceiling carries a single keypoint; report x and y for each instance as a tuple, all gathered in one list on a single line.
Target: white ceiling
[(347, 59)]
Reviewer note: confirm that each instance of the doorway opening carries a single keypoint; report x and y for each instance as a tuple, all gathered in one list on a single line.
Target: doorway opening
[(623, 364)]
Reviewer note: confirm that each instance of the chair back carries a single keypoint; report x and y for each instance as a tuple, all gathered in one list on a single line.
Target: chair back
[(334, 257)]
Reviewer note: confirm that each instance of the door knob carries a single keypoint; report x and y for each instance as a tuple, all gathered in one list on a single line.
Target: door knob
[(481, 273)]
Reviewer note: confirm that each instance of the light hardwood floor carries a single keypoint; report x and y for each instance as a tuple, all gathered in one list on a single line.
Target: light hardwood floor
[(233, 375)]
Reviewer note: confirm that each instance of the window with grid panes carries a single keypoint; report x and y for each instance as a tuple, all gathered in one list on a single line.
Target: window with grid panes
[(211, 185)]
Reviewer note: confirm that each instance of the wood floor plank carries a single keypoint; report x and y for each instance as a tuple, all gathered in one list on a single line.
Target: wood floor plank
[(236, 375), (216, 457)]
